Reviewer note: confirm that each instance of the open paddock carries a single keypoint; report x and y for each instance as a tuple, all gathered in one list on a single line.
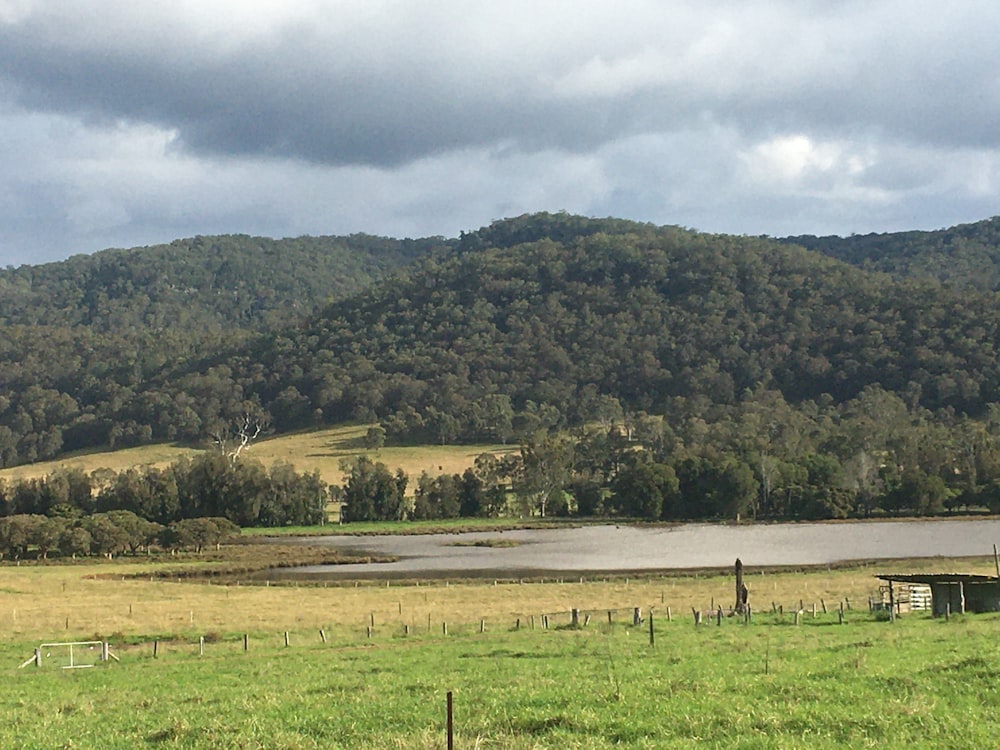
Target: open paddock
[(368, 665)]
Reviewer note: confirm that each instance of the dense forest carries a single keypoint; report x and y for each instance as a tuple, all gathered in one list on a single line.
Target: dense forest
[(742, 375), (963, 256), (80, 339)]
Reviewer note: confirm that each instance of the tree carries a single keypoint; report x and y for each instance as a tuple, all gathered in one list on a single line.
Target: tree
[(46, 533), (15, 534), (645, 489), (233, 439), (542, 472), (75, 540), (372, 493), (106, 536), (375, 438)]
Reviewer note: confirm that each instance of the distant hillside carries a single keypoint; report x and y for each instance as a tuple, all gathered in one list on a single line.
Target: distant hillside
[(546, 320), (966, 256), (552, 330), (253, 283), (80, 339)]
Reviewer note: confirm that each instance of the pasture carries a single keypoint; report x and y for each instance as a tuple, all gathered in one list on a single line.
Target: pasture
[(378, 675), (315, 450)]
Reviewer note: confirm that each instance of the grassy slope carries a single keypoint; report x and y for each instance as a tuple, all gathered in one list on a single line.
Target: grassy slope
[(320, 450), (768, 685)]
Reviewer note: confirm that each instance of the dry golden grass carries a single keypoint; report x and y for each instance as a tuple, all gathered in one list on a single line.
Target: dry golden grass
[(44, 602), (317, 450), (126, 458)]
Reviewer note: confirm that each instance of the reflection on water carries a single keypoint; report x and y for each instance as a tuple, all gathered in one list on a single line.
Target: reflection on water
[(627, 548)]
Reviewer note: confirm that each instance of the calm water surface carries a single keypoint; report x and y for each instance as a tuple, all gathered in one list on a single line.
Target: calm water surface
[(619, 549)]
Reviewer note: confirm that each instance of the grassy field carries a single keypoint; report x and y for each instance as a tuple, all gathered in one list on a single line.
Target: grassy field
[(770, 684), (319, 450)]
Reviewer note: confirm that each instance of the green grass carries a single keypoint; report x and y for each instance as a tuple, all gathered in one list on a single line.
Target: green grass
[(918, 681)]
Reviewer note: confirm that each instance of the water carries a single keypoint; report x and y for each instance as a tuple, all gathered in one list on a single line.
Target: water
[(619, 549)]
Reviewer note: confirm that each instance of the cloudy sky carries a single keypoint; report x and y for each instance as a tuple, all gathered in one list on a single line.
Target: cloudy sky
[(134, 122)]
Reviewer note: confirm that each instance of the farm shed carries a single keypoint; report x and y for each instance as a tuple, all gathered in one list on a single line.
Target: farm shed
[(954, 592)]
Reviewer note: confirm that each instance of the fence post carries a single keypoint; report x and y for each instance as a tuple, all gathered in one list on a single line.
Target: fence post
[(450, 720), (636, 616), (286, 639), (201, 646), (38, 657), (574, 617), (651, 642), (246, 641)]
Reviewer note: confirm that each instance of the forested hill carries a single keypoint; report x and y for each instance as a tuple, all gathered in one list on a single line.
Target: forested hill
[(555, 331), (80, 339), (546, 320), (232, 281), (964, 256)]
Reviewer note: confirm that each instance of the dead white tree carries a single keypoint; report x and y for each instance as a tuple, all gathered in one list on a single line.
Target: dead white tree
[(238, 437)]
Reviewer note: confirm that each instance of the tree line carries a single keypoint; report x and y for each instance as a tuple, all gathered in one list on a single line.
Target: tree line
[(78, 512), (759, 459), (114, 532)]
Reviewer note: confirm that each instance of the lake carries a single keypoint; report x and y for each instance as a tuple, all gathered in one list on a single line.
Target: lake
[(622, 548)]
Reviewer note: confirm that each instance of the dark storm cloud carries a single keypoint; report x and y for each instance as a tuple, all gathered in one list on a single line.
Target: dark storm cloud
[(126, 123), (358, 90)]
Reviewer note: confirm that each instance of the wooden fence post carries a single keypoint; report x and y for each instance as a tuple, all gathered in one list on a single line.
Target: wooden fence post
[(201, 646), (450, 721)]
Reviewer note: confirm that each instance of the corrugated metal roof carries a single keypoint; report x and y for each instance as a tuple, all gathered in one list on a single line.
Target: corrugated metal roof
[(929, 578)]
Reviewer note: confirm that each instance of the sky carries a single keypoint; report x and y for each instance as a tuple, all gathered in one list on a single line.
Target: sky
[(126, 123)]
